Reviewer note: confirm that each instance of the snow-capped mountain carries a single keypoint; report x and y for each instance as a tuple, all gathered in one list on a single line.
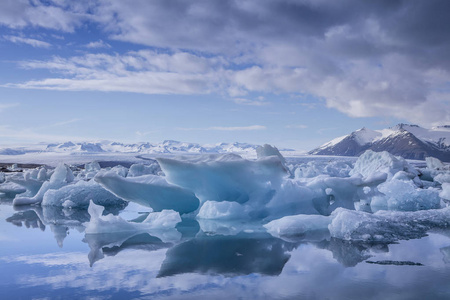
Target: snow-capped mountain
[(168, 146), (408, 141)]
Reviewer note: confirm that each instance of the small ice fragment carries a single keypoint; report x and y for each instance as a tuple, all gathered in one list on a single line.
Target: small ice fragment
[(434, 163), (298, 224)]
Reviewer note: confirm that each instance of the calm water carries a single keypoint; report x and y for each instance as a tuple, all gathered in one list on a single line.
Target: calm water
[(45, 254)]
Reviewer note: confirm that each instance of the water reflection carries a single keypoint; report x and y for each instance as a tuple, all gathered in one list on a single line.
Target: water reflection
[(349, 253), (113, 243), (205, 248), (242, 264), (240, 254)]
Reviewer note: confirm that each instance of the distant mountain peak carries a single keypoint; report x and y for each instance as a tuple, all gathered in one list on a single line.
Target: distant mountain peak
[(406, 140)]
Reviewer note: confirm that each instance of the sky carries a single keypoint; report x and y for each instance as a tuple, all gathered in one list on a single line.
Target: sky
[(291, 73)]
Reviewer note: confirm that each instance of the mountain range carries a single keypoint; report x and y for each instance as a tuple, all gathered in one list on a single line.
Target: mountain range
[(408, 141), (109, 147)]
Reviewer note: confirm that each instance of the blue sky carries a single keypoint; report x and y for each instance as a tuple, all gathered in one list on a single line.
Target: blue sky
[(290, 73)]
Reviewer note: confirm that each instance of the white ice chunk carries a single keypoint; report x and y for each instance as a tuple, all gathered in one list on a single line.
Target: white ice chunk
[(386, 226), (371, 162), (141, 169), (37, 174), (268, 150), (442, 177), (149, 190), (291, 226), (11, 189), (92, 167), (222, 211), (435, 164), (79, 195), (42, 175), (316, 168), (62, 174), (445, 193), (163, 219), (60, 177), (404, 195), (90, 170), (158, 224)]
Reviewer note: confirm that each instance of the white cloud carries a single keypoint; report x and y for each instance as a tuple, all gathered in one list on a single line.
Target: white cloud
[(98, 44), (63, 16), (356, 57), (32, 42), (250, 102), (147, 72)]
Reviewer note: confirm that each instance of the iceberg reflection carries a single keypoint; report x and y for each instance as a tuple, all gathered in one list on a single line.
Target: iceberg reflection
[(241, 254)]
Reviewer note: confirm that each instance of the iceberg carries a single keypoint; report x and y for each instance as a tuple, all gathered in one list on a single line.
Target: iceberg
[(78, 195), (316, 168), (149, 190), (89, 171), (226, 177), (60, 177), (298, 225), (445, 193), (404, 195), (10, 189), (371, 162), (352, 225), (435, 164), (159, 224), (386, 226)]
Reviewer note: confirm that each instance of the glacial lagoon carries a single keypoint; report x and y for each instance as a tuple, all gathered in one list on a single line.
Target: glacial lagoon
[(125, 252), (44, 254)]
